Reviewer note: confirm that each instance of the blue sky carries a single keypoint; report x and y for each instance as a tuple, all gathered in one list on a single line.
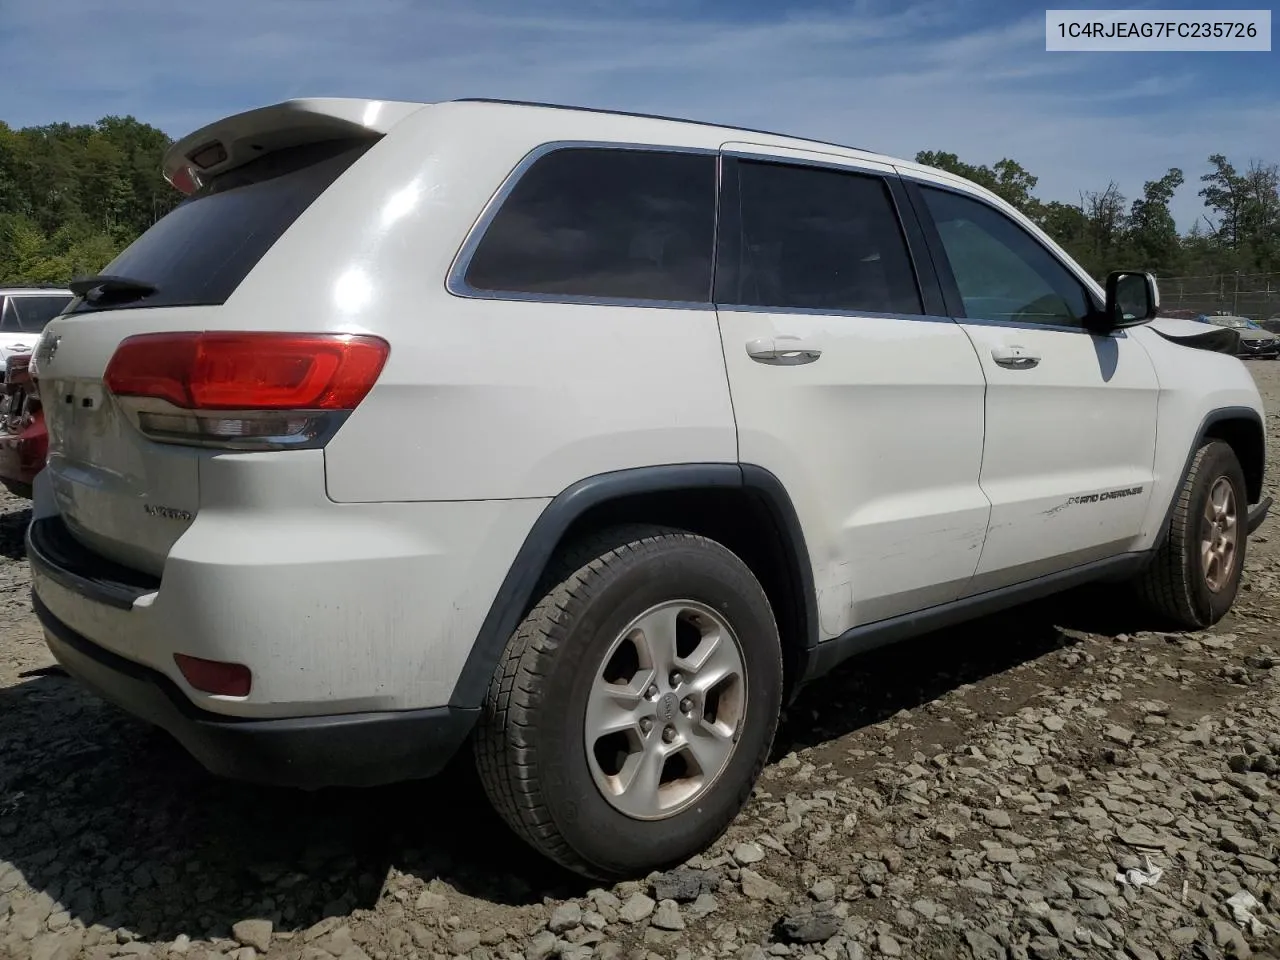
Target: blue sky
[(972, 78)]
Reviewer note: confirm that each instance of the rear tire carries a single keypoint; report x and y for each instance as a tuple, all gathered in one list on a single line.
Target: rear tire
[(590, 657), (1195, 575)]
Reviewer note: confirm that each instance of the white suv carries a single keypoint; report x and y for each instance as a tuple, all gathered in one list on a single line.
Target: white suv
[(591, 437)]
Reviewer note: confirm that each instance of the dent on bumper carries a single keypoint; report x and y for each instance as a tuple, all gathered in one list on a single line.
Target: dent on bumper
[(356, 750)]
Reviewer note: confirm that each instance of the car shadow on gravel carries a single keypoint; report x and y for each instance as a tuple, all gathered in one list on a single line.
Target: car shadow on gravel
[(114, 821), (871, 688)]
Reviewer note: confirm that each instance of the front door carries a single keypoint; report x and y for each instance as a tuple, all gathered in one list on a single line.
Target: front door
[(1070, 416), (867, 409)]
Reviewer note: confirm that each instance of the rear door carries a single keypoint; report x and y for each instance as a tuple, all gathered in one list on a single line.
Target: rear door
[(1071, 416), (847, 382)]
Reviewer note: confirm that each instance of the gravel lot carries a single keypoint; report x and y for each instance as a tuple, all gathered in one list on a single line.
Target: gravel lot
[(976, 793)]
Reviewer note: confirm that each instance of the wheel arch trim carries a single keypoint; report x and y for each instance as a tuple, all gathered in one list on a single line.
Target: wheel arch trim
[(516, 592), (1210, 419)]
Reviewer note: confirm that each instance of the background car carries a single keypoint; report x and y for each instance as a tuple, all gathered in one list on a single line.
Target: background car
[(1254, 341), (24, 311), (24, 441)]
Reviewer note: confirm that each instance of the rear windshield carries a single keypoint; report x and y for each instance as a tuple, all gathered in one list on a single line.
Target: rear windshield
[(30, 314), (198, 253)]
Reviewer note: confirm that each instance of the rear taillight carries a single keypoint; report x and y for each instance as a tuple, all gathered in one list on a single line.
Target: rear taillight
[(244, 390)]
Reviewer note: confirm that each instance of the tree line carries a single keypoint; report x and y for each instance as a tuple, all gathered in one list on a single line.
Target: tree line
[(73, 196), (1237, 232)]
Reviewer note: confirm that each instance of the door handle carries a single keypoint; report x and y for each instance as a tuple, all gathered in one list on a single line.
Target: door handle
[(1014, 357), (783, 351)]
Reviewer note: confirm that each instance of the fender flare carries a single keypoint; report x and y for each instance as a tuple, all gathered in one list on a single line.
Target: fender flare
[(516, 594), (1210, 418)]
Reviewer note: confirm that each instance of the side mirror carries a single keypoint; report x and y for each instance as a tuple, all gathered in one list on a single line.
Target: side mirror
[(1133, 298)]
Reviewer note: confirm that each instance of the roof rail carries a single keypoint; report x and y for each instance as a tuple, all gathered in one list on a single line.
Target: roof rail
[(654, 116)]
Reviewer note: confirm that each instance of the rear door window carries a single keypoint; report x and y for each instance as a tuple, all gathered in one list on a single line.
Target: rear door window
[(813, 238), (604, 223), (200, 251), (30, 314)]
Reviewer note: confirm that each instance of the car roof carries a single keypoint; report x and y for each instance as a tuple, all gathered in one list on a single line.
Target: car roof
[(683, 121), (244, 134), (682, 131)]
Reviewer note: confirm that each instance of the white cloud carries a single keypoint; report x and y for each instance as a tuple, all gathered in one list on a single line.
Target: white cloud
[(896, 77)]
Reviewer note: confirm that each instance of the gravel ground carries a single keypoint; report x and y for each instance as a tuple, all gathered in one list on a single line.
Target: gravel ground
[(1003, 790)]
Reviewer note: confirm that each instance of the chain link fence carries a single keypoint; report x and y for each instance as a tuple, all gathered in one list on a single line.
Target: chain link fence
[(1252, 295)]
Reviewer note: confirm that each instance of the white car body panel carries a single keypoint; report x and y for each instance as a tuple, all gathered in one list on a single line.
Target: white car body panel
[(1081, 423)]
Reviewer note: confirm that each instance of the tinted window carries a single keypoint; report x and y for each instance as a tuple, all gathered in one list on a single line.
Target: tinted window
[(30, 314), (806, 237), (1002, 271), (200, 251), (634, 224)]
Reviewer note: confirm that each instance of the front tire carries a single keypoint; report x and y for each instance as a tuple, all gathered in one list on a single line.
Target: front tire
[(635, 706), (1195, 575)]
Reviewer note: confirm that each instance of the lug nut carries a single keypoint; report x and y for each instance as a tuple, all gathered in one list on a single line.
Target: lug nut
[(676, 679), (686, 705), (668, 734), (645, 725), (652, 692)]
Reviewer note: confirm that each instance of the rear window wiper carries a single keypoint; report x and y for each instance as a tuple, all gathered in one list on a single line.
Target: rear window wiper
[(114, 288)]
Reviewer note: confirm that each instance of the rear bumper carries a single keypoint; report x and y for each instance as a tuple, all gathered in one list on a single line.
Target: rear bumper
[(358, 750)]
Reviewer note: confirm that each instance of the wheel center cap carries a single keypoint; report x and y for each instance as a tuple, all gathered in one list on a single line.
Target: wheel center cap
[(668, 706)]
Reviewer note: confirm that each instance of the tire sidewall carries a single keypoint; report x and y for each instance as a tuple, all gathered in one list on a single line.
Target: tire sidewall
[(688, 570), (1219, 461)]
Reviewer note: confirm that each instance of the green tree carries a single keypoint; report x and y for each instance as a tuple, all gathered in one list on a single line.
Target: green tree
[(72, 196), (1008, 179), (1153, 234)]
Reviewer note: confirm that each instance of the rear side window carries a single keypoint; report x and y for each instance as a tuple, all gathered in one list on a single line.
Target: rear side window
[(604, 222), (198, 253), (814, 238), (30, 314)]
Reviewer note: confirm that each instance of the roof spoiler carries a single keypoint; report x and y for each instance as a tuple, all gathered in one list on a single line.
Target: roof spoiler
[(233, 141)]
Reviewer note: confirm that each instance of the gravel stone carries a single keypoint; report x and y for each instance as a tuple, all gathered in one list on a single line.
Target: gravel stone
[(667, 916), (808, 927), (463, 941), (565, 917), (824, 890), (999, 819), (637, 907), (748, 853), (684, 885), (253, 933), (756, 887), (541, 946)]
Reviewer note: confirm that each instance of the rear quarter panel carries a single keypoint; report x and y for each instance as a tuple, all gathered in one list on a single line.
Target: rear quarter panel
[(480, 398)]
